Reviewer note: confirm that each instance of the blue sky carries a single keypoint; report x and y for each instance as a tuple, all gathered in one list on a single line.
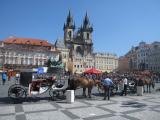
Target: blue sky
[(118, 24)]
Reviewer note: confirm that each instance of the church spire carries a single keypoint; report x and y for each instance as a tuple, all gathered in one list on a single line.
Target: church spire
[(86, 23), (69, 22), (69, 18)]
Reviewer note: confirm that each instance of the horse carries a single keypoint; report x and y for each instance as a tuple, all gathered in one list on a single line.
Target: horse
[(84, 83), (148, 82)]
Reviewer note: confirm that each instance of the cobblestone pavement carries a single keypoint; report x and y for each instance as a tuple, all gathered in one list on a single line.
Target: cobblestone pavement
[(130, 107)]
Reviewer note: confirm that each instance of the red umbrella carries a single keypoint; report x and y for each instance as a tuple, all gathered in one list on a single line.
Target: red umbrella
[(92, 71)]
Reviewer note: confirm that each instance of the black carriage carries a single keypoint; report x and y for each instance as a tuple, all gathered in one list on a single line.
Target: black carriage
[(35, 83)]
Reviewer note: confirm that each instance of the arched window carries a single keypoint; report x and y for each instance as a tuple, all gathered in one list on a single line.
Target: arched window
[(70, 34)]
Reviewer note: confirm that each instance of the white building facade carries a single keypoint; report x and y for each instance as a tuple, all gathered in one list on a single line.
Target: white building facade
[(154, 57), (16, 54), (106, 62), (145, 57)]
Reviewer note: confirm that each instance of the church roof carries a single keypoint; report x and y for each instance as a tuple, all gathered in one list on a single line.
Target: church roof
[(60, 43)]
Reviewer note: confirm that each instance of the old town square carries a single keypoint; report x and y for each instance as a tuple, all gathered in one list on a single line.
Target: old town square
[(79, 60)]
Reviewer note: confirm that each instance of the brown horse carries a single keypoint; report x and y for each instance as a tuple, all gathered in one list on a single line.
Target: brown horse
[(148, 82), (83, 83)]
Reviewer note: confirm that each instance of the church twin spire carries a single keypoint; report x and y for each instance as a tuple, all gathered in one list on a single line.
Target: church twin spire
[(70, 24), (79, 42)]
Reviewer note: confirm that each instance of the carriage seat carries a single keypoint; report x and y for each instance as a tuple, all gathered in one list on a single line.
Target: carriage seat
[(64, 87)]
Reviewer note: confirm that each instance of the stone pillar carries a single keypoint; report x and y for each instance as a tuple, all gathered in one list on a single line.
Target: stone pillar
[(139, 90), (70, 96)]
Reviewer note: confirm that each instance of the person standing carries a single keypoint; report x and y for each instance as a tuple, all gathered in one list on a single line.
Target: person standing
[(4, 77), (17, 77), (107, 83), (125, 86)]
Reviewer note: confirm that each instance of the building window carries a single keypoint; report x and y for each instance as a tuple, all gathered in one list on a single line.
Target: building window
[(21, 60), (87, 35), (69, 34)]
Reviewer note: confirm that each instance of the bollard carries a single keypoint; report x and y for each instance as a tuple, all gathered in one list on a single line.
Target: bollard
[(139, 90), (70, 96)]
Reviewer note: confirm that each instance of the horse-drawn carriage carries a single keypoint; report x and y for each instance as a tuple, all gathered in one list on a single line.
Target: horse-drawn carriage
[(56, 82), (32, 83)]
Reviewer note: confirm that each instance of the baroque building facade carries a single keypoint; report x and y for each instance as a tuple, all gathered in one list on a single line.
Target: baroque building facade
[(106, 62), (123, 64), (154, 57), (145, 57), (25, 53)]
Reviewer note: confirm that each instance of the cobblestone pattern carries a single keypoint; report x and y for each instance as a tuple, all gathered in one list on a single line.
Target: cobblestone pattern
[(118, 108)]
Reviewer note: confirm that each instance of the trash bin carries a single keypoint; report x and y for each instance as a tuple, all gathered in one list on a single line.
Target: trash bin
[(139, 90), (70, 96)]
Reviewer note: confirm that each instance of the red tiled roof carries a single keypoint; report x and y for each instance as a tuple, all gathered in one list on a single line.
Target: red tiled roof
[(30, 41)]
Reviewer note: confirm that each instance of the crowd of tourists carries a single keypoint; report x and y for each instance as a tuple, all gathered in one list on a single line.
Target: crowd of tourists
[(10, 75), (123, 81), (120, 81)]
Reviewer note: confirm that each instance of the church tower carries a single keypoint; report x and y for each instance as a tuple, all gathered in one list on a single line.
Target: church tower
[(87, 30), (79, 44), (68, 28)]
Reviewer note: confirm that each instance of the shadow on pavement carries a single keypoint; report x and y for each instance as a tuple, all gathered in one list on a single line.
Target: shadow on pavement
[(133, 104), (7, 100)]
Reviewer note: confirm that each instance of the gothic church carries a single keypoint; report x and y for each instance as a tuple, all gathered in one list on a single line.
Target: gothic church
[(79, 44)]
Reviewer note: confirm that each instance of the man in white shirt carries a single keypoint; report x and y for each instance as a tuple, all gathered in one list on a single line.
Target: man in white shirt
[(125, 86)]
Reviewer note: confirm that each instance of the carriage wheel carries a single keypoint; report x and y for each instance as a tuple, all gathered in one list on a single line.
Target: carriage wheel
[(16, 91), (53, 94)]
